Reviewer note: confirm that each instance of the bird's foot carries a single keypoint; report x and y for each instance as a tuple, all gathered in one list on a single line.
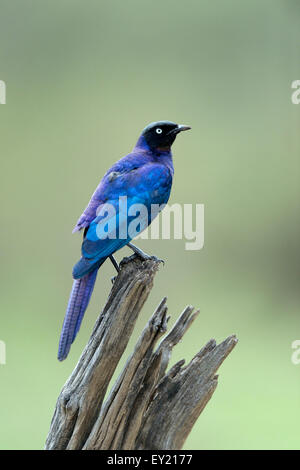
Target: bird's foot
[(159, 260), (144, 256)]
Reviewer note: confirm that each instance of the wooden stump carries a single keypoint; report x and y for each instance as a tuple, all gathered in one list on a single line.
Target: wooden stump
[(149, 407)]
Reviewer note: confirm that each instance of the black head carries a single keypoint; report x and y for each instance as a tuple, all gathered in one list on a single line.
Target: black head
[(160, 135)]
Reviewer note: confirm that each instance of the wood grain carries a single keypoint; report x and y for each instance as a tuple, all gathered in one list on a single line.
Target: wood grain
[(149, 406)]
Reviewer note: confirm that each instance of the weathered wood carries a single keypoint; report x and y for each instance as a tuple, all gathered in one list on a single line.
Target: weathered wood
[(180, 397), (147, 408)]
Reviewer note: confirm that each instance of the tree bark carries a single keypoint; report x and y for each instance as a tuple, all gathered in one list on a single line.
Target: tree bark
[(149, 407)]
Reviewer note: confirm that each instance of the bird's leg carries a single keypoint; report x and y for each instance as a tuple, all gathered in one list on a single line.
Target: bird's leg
[(141, 254), (112, 259)]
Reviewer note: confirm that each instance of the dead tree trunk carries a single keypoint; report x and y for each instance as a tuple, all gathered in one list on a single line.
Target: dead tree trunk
[(149, 407)]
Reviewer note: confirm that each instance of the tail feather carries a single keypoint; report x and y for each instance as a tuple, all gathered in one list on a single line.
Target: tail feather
[(91, 278), (85, 266), (80, 295)]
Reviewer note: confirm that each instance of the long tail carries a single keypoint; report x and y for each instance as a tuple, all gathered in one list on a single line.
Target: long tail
[(80, 296)]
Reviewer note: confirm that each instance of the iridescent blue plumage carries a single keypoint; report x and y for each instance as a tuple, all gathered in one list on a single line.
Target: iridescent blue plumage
[(144, 177)]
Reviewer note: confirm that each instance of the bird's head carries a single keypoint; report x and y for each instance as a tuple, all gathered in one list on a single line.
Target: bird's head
[(160, 135)]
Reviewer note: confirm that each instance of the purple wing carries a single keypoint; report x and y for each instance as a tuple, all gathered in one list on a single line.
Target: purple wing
[(104, 190), (90, 211)]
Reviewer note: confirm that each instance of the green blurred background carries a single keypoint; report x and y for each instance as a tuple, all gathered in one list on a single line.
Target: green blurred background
[(83, 78)]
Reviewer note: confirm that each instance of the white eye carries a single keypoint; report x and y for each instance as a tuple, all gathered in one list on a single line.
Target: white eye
[(158, 130)]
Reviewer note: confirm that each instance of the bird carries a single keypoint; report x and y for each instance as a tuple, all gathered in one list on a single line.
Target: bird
[(145, 177)]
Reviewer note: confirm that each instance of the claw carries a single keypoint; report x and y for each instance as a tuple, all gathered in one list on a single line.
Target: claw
[(139, 252), (158, 259), (143, 255)]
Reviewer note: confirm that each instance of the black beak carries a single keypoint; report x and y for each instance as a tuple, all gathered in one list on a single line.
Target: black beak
[(179, 128), (183, 128)]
